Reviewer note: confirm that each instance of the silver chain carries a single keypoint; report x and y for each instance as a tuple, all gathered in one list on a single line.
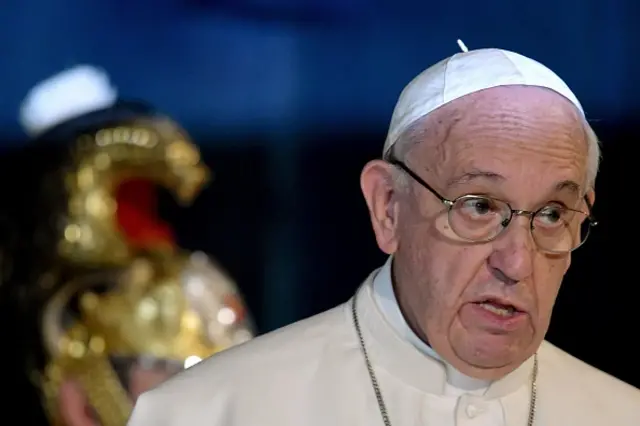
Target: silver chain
[(376, 387)]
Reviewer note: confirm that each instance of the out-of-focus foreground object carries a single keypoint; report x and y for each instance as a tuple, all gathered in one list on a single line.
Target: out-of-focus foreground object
[(116, 304)]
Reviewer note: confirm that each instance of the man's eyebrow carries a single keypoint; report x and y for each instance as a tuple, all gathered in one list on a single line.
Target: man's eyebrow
[(565, 185), (568, 185), (474, 175)]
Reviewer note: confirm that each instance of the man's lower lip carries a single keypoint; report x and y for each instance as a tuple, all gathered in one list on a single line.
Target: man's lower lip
[(505, 322)]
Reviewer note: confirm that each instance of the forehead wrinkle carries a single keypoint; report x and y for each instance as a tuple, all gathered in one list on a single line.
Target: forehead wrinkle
[(529, 115), (497, 113), (474, 174), (433, 132)]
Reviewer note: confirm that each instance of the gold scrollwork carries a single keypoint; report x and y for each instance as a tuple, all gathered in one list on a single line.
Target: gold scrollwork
[(126, 135)]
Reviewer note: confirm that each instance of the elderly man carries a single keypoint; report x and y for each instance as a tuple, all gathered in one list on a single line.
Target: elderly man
[(485, 190)]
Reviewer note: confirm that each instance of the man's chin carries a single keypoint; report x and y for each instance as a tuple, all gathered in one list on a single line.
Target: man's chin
[(484, 361)]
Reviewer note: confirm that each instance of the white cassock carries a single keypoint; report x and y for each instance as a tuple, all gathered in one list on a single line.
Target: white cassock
[(313, 373)]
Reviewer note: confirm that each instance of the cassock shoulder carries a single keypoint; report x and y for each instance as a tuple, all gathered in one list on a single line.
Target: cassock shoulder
[(251, 372), (589, 392)]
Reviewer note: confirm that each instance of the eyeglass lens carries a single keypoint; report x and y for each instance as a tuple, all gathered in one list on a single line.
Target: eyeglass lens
[(554, 228)]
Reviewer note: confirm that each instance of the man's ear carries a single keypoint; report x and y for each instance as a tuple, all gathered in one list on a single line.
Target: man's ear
[(591, 196), (74, 406), (378, 187)]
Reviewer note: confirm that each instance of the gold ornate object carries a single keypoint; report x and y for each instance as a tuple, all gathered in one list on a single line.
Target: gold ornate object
[(152, 148), (172, 308), (178, 308), (156, 303)]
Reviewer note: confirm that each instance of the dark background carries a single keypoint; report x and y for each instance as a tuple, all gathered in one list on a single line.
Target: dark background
[(288, 100)]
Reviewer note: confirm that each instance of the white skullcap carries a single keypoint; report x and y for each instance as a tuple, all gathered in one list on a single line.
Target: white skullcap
[(465, 73), (65, 96)]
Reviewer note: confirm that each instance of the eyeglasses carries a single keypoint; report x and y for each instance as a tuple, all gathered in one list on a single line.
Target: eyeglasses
[(555, 229)]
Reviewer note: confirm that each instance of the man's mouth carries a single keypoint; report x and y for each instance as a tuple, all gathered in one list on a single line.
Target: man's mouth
[(500, 308)]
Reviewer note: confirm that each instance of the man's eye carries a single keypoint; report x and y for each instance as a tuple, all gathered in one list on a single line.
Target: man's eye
[(478, 207), (551, 215)]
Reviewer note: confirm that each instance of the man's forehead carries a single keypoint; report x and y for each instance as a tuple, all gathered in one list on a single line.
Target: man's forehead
[(488, 134), (492, 112)]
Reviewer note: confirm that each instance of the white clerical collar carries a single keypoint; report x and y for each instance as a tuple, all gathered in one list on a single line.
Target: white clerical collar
[(385, 299)]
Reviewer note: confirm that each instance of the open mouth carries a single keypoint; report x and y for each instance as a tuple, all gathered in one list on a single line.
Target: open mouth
[(499, 308)]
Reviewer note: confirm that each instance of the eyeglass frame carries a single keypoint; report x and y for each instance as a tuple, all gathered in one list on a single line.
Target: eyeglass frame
[(592, 222)]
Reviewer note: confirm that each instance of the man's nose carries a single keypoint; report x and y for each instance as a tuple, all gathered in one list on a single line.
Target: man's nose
[(513, 252)]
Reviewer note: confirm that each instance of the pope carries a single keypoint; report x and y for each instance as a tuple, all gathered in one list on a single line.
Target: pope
[(484, 190)]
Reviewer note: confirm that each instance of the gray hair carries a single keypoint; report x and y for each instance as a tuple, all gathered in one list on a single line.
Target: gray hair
[(417, 132)]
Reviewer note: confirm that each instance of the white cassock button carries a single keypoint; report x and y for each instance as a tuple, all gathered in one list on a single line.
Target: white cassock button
[(472, 411)]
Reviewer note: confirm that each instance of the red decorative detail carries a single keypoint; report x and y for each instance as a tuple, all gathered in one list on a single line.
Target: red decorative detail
[(137, 215)]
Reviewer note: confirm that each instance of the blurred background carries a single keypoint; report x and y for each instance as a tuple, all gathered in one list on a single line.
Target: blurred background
[(287, 99)]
